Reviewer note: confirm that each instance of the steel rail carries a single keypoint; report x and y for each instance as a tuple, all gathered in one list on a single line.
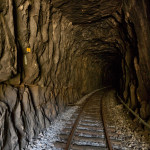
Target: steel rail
[(104, 124), (70, 138), (136, 115)]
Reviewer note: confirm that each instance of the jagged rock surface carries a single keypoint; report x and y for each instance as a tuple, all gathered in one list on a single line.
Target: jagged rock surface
[(53, 74)]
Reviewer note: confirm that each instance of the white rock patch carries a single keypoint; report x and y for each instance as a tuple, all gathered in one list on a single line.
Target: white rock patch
[(45, 140)]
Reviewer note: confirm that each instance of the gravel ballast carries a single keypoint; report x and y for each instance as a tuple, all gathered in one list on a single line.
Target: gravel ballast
[(131, 133)]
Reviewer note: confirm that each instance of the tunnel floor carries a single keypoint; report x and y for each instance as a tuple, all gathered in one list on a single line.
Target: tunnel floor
[(124, 133)]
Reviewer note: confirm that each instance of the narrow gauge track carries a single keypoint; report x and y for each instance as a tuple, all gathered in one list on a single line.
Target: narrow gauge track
[(87, 129)]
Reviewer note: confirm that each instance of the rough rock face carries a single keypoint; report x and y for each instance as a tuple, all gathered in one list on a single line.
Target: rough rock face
[(8, 49), (74, 47), (137, 56), (38, 84)]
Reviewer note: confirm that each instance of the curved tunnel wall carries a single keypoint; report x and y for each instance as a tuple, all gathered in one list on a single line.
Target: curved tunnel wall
[(36, 85), (74, 50), (135, 64)]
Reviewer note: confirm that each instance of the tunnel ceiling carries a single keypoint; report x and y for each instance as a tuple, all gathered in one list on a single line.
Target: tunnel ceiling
[(98, 34), (87, 11)]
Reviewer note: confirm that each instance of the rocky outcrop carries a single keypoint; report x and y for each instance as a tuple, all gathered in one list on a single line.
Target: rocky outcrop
[(52, 52), (136, 62), (24, 112), (38, 83), (8, 49)]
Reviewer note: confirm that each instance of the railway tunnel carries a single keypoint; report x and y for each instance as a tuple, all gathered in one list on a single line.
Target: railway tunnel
[(53, 52)]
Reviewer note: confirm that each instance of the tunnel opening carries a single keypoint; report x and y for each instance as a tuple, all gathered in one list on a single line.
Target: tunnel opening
[(112, 74), (111, 64)]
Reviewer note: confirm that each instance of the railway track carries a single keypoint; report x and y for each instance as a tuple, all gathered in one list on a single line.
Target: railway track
[(87, 129)]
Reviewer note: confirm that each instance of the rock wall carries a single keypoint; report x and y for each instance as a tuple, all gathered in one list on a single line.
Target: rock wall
[(135, 65), (37, 83)]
